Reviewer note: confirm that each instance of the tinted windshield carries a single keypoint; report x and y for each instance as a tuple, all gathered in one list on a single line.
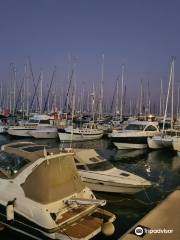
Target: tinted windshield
[(135, 127), (11, 163), (101, 166), (33, 121)]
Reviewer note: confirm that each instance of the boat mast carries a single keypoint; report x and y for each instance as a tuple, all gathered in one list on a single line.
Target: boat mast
[(167, 98), (141, 98), (149, 99), (117, 97), (14, 89), (161, 99), (101, 89), (93, 102), (122, 92), (172, 94), (40, 100), (177, 116)]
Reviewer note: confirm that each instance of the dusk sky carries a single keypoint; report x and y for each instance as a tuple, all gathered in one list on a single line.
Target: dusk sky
[(142, 34)]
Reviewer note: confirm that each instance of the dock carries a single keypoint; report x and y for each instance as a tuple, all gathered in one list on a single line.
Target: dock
[(161, 223)]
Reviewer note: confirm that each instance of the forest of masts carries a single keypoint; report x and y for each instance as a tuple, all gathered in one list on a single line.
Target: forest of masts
[(32, 94)]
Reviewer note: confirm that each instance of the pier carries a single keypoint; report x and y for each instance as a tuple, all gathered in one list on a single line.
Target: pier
[(161, 223)]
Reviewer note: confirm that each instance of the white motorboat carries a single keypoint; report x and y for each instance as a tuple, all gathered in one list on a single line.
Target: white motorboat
[(44, 132), (135, 135), (37, 121), (79, 134), (176, 144), (42, 195), (100, 175), (165, 140)]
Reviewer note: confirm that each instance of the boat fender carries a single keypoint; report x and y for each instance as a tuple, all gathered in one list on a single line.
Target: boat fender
[(10, 210), (108, 228)]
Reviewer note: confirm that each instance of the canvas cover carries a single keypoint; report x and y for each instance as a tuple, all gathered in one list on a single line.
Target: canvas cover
[(52, 180), (83, 155)]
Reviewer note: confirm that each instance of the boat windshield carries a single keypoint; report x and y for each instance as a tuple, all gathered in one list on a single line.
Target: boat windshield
[(100, 166), (11, 164), (137, 127), (33, 121)]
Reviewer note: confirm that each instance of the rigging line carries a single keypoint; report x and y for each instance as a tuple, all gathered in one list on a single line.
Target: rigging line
[(45, 105), (67, 94), (114, 93), (19, 95), (35, 91), (33, 78)]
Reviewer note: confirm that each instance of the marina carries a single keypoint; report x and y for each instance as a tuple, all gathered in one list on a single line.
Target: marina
[(89, 120), (161, 167)]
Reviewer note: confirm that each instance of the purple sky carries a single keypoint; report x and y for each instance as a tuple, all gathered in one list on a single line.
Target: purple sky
[(142, 34)]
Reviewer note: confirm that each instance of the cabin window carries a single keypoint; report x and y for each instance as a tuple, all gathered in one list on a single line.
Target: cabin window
[(33, 121), (125, 174), (93, 159), (137, 127), (100, 166), (151, 128), (12, 164), (76, 161), (35, 148), (80, 167), (44, 122)]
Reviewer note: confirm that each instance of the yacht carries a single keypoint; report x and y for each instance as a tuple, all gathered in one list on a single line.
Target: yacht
[(86, 133), (43, 197), (37, 121), (44, 132), (100, 175), (135, 135)]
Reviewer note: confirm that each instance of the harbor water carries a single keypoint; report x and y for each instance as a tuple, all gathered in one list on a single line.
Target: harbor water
[(162, 167)]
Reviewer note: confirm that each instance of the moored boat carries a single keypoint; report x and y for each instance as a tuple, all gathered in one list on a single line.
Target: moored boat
[(44, 132), (135, 135), (79, 134), (37, 121), (42, 195), (100, 175)]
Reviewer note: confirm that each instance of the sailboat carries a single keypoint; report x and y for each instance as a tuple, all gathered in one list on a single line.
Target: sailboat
[(85, 133), (165, 139)]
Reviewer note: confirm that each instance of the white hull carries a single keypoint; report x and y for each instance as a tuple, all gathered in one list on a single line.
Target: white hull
[(129, 145), (159, 142), (114, 181), (44, 133), (111, 187), (3, 129), (66, 137), (23, 132), (176, 145)]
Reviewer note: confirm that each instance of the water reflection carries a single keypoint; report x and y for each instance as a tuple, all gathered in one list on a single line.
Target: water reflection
[(162, 167)]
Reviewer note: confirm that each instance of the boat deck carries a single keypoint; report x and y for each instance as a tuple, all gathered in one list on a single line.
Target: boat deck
[(84, 221), (165, 216), (74, 214), (83, 228)]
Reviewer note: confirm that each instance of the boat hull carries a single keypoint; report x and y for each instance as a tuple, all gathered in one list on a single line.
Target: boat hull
[(42, 134), (101, 186), (68, 137), (159, 142), (176, 145), (130, 142), (78, 231), (20, 132)]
